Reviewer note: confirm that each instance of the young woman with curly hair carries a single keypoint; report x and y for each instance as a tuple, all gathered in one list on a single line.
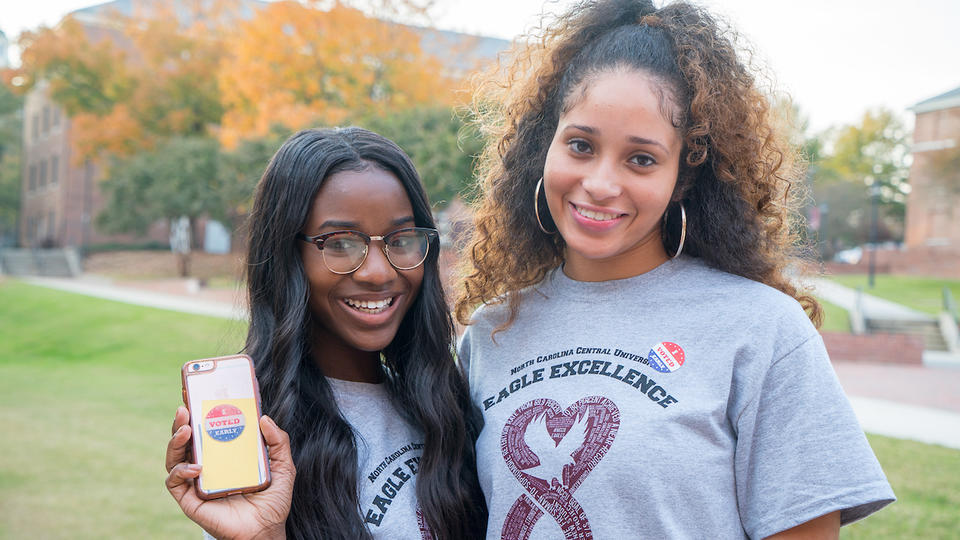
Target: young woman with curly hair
[(352, 341), (645, 365)]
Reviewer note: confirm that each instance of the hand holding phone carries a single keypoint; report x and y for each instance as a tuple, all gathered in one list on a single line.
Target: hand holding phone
[(212, 503), (224, 403)]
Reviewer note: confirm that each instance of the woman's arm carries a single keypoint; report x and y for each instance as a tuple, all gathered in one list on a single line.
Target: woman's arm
[(825, 527)]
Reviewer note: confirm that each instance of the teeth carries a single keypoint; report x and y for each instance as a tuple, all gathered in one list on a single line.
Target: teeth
[(597, 216), (369, 306)]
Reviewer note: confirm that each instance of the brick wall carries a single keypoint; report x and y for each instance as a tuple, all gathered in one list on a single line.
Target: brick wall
[(874, 348), (933, 218), (943, 262)]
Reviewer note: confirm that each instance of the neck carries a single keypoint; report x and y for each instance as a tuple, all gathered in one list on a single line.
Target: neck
[(338, 360), (640, 259)]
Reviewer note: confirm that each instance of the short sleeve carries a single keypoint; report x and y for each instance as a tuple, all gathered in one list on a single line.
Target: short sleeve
[(463, 354), (800, 451)]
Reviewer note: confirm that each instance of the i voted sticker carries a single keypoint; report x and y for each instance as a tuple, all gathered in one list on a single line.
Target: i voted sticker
[(224, 423), (666, 357)]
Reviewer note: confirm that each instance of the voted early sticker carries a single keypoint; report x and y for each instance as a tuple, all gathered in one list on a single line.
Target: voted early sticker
[(224, 422), (666, 357)]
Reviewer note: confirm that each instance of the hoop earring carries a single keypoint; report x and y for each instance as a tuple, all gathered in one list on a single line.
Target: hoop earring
[(536, 206), (683, 229)]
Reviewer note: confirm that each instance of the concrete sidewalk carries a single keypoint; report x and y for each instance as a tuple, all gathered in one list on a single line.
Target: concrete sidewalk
[(902, 421), (905, 402), (100, 288), (878, 308), (873, 307)]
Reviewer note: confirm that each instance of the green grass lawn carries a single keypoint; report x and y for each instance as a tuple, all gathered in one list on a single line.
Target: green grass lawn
[(926, 480), (87, 393), (920, 293), (835, 318)]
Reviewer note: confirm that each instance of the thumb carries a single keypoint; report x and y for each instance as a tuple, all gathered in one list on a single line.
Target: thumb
[(281, 460)]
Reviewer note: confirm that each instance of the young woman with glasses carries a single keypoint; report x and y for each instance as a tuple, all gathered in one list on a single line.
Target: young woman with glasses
[(642, 359), (351, 337)]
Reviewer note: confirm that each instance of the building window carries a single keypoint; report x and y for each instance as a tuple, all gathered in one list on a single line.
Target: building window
[(43, 174), (56, 116), (32, 185), (54, 170), (36, 126), (46, 119)]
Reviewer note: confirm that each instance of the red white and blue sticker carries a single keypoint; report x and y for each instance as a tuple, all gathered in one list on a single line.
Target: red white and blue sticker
[(666, 357), (224, 423)]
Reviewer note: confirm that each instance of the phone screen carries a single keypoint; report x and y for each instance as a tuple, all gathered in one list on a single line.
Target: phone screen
[(224, 415)]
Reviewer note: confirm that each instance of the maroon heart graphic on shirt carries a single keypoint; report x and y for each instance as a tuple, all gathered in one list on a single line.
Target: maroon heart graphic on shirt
[(568, 443)]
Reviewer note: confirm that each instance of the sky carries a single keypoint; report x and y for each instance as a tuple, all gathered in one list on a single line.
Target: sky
[(836, 58)]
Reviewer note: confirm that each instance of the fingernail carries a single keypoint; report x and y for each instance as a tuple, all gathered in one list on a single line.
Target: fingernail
[(193, 467)]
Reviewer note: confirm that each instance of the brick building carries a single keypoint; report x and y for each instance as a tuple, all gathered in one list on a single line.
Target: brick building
[(933, 206)]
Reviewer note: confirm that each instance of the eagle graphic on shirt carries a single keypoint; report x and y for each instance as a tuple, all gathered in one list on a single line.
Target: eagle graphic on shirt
[(553, 455)]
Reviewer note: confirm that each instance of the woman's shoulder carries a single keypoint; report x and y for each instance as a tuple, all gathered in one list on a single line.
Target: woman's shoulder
[(494, 312), (714, 281), (744, 297)]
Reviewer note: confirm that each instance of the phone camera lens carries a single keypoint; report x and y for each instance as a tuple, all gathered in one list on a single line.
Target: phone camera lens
[(196, 367)]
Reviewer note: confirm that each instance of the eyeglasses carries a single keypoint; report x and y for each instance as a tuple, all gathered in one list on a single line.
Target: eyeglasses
[(345, 251)]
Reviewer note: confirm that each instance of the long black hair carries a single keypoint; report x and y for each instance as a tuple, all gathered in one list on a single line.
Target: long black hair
[(428, 387)]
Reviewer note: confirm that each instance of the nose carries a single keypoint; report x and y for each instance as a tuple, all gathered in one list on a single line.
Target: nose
[(602, 183), (376, 269)]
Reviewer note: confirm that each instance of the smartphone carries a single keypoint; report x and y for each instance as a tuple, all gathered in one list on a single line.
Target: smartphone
[(224, 403)]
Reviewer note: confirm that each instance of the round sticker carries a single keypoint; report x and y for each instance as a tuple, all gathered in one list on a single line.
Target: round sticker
[(666, 357), (224, 422)]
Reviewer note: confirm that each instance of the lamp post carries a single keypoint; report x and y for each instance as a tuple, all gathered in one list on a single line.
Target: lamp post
[(874, 218)]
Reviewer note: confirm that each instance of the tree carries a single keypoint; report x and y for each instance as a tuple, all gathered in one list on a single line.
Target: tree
[(127, 87), (849, 162), (11, 121), (169, 81), (873, 152), (440, 144), (298, 66), (180, 178), (241, 169)]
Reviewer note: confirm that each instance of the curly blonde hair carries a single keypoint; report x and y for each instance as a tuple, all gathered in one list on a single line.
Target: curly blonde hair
[(738, 175)]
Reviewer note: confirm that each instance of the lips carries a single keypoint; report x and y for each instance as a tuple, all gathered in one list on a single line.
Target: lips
[(371, 307), (595, 219), (596, 215)]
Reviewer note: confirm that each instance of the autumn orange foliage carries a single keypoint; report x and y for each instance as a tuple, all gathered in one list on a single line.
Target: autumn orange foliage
[(157, 73), (297, 66)]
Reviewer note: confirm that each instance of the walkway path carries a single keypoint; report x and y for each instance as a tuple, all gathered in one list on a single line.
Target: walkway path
[(873, 307), (101, 288), (906, 402), (878, 308)]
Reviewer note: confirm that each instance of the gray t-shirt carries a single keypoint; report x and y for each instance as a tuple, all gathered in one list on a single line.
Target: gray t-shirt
[(388, 456), (388, 452), (681, 403)]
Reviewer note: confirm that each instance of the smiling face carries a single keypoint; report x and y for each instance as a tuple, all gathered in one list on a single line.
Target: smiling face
[(609, 175), (356, 315)]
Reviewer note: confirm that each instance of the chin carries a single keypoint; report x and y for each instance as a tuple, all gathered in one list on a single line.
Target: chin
[(373, 342), (593, 251)]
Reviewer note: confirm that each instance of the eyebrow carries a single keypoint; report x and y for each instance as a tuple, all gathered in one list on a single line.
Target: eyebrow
[(335, 224), (632, 138)]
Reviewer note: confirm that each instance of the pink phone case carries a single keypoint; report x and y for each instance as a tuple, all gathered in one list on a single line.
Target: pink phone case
[(224, 403)]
